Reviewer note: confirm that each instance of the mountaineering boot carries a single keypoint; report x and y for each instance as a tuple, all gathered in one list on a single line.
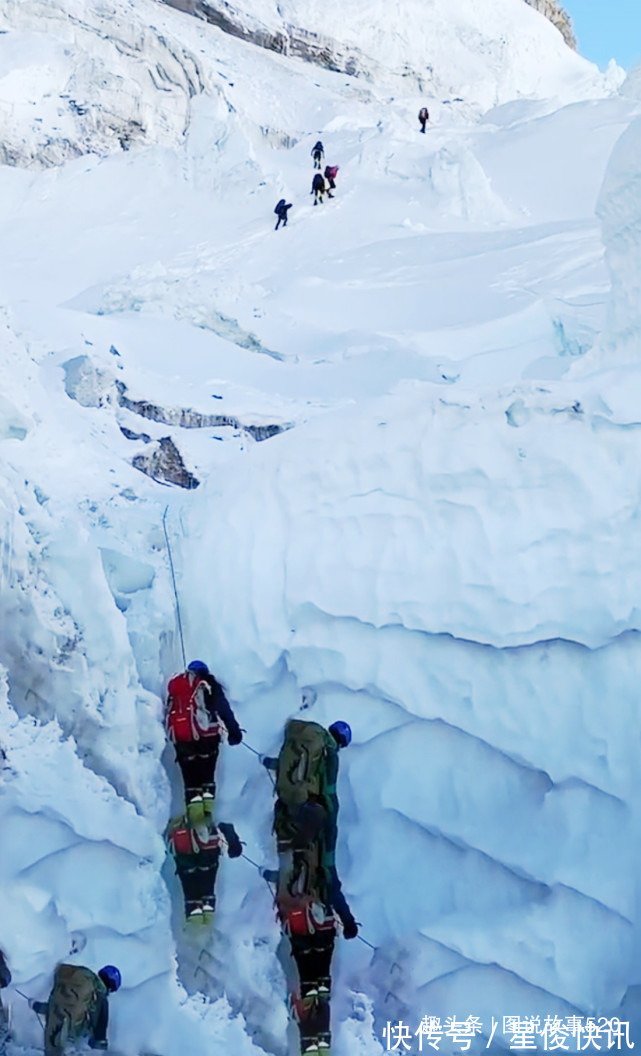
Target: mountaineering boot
[(309, 1048), (324, 1044), (208, 803), (193, 912), (207, 917), (196, 810), (308, 1002), (324, 989)]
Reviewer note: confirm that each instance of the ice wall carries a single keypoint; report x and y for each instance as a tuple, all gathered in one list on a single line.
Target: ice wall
[(80, 882), (620, 212), (459, 580)]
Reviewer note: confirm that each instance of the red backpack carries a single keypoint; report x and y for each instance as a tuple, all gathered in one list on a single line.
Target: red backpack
[(186, 840), (187, 717)]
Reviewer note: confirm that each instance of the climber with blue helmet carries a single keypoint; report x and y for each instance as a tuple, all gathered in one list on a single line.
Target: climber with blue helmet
[(197, 712), (308, 896), (78, 1006)]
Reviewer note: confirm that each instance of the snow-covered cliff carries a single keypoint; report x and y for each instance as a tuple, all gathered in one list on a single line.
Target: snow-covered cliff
[(558, 16), (413, 419), (485, 53)]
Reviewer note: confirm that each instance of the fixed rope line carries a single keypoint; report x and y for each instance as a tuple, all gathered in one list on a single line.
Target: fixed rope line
[(250, 747), (173, 579), (271, 776), (257, 866)]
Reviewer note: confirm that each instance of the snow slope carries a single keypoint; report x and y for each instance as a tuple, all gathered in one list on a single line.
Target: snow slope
[(413, 415), (485, 52)]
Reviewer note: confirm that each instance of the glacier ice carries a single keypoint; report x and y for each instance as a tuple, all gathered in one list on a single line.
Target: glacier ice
[(442, 548)]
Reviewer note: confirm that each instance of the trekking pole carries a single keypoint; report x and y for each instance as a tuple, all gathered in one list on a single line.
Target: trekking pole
[(173, 578), (366, 942)]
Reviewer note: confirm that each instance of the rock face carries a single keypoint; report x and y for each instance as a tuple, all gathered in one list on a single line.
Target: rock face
[(165, 463), (486, 52), (558, 17), (130, 85)]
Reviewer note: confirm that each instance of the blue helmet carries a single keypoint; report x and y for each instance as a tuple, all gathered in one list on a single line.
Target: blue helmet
[(199, 667), (341, 733), (111, 977)]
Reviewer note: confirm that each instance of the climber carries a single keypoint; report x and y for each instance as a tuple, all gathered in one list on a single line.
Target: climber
[(197, 852), (307, 803), (5, 979), (196, 705), (330, 176), (308, 903), (318, 188), (308, 892), (423, 117), (318, 153), (281, 212), (77, 1006)]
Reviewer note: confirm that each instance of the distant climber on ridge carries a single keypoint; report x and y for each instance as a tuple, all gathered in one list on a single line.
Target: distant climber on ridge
[(196, 707), (197, 850), (77, 1007), (423, 117), (330, 174), (318, 153), (318, 188), (281, 212), (308, 891)]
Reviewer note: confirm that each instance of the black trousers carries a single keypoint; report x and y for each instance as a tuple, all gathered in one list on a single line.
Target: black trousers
[(313, 956), (198, 885), (197, 761)]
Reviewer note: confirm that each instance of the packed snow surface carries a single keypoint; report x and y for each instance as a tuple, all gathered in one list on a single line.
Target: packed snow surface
[(412, 418)]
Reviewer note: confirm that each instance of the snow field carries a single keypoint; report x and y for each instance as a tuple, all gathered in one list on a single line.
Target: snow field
[(442, 550)]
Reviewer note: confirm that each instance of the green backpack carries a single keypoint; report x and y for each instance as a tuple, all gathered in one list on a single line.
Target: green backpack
[(301, 778), (74, 997)]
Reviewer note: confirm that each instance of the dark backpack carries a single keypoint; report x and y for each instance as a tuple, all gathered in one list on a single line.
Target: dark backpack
[(302, 895), (279, 207), (75, 993), (301, 774), (187, 717)]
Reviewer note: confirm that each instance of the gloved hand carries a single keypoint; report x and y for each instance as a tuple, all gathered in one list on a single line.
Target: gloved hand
[(235, 737), (350, 928), (234, 846)]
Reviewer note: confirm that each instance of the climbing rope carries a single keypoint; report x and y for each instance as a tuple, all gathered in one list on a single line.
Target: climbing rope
[(28, 1000), (250, 747), (257, 866), (173, 578), (271, 776)]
